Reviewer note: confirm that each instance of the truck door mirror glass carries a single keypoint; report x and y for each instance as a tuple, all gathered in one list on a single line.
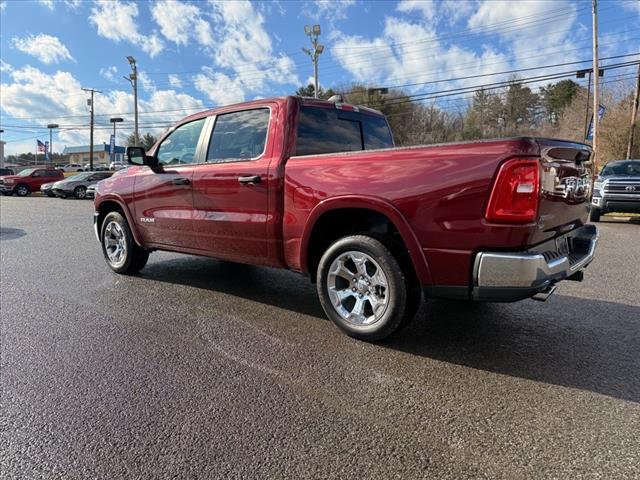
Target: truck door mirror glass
[(138, 156)]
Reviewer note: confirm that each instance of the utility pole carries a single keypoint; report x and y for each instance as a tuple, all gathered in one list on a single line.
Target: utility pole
[(313, 33), (90, 103), (133, 80), (51, 126), (596, 78), (634, 113)]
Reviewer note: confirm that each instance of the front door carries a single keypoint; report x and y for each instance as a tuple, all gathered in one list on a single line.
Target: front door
[(231, 190), (164, 197)]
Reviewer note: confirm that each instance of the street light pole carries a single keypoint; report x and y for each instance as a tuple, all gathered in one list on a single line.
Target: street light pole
[(114, 120), (133, 80), (313, 33), (51, 126)]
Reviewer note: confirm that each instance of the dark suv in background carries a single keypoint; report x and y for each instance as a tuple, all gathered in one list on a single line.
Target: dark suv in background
[(617, 189)]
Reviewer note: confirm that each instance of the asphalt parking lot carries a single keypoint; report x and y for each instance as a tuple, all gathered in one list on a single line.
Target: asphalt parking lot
[(204, 369)]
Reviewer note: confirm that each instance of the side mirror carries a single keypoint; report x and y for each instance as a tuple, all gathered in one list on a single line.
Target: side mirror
[(138, 156)]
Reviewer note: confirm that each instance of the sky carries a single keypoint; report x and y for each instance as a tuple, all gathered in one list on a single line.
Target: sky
[(196, 55)]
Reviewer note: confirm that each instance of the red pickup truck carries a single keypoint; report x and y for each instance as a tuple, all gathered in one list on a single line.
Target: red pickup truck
[(318, 187)]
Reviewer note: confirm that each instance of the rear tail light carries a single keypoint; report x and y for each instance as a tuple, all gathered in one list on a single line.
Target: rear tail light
[(514, 198)]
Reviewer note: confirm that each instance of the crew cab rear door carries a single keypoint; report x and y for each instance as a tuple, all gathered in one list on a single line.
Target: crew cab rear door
[(233, 210)]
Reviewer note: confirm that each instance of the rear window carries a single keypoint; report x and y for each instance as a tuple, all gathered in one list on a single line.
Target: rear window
[(329, 130)]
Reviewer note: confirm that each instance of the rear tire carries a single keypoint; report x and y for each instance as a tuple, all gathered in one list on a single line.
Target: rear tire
[(363, 289), (22, 190), (595, 214), (120, 250), (80, 192)]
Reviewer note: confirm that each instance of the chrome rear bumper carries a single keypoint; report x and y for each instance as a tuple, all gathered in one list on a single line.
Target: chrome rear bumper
[(511, 276)]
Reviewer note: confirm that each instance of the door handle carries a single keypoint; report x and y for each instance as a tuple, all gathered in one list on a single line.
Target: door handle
[(180, 181), (250, 180)]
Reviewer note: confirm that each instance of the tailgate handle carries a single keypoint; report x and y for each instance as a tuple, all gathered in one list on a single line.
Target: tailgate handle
[(180, 181), (250, 180)]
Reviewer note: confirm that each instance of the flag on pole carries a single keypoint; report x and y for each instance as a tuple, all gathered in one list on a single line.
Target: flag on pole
[(601, 110), (41, 147)]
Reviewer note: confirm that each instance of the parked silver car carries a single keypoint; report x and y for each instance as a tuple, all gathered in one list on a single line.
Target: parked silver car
[(77, 185)]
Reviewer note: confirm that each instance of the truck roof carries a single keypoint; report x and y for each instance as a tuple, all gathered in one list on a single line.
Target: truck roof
[(307, 101)]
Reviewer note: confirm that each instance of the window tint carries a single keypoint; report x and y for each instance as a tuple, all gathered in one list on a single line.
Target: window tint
[(52, 173), (180, 146), (239, 136), (328, 130), (376, 132)]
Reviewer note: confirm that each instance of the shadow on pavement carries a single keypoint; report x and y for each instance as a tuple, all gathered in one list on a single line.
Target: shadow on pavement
[(578, 343), (585, 344)]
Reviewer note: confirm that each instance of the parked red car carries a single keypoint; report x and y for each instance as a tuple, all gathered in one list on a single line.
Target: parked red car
[(318, 187), (28, 181)]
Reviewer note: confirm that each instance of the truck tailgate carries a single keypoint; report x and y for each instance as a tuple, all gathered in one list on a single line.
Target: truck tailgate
[(565, 187)]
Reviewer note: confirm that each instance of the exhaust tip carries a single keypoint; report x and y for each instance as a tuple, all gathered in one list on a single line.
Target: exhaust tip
[(543, 295)]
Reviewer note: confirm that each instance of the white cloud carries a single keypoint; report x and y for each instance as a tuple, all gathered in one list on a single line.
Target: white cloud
[(243, 55), (426, 7), (45, 48), (519, 34), (3, 5), (5, 67), (633, 6), (328, 9), (109, 73), (50, 4), (57, 97), (147, 83), (447, 11), (116, 21), (395, 58), (179, 22), (174, 81)]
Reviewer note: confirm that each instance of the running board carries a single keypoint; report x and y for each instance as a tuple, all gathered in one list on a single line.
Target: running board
[(544, 294)]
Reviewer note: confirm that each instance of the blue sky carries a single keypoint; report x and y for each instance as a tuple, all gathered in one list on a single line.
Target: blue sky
[(194, 55)]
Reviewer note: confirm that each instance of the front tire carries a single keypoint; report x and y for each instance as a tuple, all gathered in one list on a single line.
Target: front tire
[(595, 214), (80, 192), (363, 289), (120, 250), (22, 190)]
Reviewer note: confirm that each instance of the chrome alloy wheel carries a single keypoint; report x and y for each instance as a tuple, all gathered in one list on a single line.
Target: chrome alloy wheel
[(358, 288), (115, 244)]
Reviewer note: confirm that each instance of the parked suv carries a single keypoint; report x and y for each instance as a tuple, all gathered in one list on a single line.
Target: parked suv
[(617, 189), (77, 185), (28, 181)]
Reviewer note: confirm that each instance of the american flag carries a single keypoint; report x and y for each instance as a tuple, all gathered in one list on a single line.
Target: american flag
[(41, 147)]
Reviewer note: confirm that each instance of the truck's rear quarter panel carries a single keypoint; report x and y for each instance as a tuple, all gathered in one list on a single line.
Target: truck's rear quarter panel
[(440, 190)]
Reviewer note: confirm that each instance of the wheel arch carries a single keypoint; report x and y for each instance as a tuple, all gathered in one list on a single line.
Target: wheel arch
[(348, 215), (114, 204)]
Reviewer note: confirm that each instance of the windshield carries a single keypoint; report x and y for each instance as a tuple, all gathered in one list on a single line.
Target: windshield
[(628, 168), (27, 172), (80, 176)]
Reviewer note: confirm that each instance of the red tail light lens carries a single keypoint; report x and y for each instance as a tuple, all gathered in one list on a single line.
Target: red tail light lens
[(514, 198)]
